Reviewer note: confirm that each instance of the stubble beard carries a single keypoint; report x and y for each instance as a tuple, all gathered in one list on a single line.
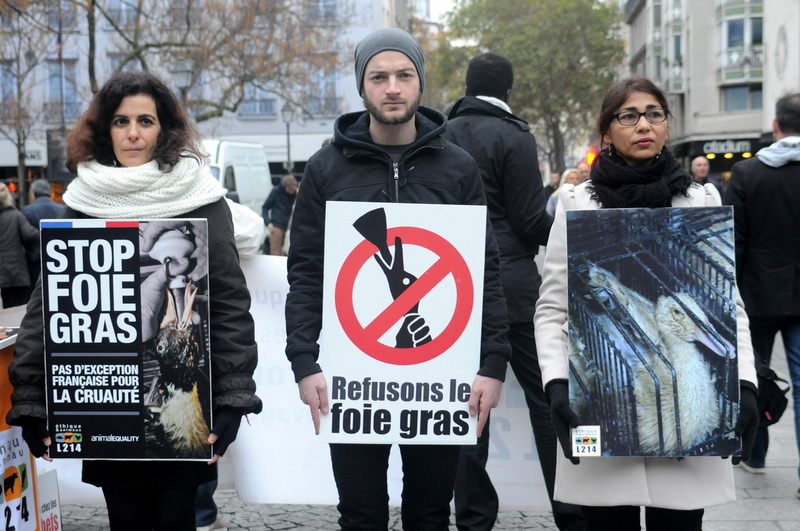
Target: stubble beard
[(381, 117)]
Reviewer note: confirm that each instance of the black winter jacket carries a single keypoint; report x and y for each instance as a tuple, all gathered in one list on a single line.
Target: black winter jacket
[(354, 168), (234, 357), (15, 235), (505, 151), (767, 229)]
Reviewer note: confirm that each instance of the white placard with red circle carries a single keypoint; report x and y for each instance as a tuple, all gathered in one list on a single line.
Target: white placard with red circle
[(400, 342)]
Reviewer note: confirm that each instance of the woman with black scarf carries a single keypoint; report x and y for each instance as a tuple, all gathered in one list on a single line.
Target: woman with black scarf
[(635, 169)]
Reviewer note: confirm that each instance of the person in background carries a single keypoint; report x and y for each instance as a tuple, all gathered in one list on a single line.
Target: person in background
[(700, 170), (765, 191), (482, 124), (552, 186), (277, 210), (634, 169), (41, 207), (393, 151), (137, 156), (570, 176), (16, 236), (584, 170)]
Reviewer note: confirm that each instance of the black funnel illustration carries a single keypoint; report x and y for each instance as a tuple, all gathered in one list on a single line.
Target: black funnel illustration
[(372, 226)]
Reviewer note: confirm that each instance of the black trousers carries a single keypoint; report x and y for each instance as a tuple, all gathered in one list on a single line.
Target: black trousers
[(428, 477), (151, 509), (476, 500), (626, 518)]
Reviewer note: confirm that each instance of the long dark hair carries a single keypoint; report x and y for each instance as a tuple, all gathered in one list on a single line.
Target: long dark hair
[(619, 93), (91, 138)]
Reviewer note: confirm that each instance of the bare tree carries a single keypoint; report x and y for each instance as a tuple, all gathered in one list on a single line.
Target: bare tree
[(24, 26), (280, 47)]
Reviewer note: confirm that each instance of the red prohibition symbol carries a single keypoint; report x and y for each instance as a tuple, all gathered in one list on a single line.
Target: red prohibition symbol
[(366, 338)]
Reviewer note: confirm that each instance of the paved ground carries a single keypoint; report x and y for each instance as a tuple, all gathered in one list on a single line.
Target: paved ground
[(765, 502)]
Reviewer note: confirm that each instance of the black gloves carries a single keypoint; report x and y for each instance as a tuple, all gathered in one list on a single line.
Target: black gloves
[(747, 424), (563, 417), (226, 426), (34, 430)]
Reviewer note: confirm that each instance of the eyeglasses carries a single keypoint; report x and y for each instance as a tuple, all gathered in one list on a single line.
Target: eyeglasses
[(629, 118)]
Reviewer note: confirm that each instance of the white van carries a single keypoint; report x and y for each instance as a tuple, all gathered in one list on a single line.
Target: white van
[(242, 168)]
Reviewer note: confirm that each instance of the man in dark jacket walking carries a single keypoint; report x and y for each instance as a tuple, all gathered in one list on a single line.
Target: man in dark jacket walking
[(505, 150), (392, 152), (41, 207), (764, 192)]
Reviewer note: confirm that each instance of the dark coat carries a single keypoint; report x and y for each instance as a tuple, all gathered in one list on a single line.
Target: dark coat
[(353, 168), (42, 208), (277, 209), (233, 359), (15, 235), (505, 151), (767, 229)]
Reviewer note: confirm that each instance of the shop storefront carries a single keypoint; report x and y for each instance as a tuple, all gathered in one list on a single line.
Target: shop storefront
[(721, 153), (35, 164)]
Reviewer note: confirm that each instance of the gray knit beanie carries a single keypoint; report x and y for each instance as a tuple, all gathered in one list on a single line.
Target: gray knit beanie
[(389, 39)]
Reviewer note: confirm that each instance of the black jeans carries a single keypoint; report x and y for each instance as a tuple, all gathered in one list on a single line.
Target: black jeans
[(626, 518), (428, 476), (475, 497)]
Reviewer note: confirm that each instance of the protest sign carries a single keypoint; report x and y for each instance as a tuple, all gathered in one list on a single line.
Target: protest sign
[(652, 332), (402, 303), (126, 338), (19, 505)]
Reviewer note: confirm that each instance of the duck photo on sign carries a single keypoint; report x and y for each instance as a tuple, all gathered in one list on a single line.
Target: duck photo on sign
[(652, 329), (175, 329)]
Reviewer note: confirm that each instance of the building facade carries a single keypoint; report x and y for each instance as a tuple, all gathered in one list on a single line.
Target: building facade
[(722, 64), (44, 82)]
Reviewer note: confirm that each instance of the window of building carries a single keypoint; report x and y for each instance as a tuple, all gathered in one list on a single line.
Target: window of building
[(183, 17), (742, 32), (257, 102), (8, 87), (742, 98), (115, 59), (756, 29), (325, 81), (61, 14), (735, 33), (322, 12), (65, 78), (122, 12), (5, 20), (196, 93)]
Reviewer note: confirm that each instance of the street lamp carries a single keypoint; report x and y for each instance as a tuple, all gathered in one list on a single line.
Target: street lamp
[(182, 73), (287, 113)]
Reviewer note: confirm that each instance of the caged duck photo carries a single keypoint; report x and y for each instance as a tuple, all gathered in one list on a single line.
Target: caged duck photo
[(175, 362), (652, 330)]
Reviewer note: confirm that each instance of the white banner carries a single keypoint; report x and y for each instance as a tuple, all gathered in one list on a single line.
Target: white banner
[(278, 459)]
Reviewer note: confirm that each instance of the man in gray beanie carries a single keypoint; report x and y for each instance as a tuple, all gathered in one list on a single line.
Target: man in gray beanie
[(389, 39), (392, 152)]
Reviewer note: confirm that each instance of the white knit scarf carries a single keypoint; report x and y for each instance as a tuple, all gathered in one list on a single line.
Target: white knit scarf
[(142, 192)]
